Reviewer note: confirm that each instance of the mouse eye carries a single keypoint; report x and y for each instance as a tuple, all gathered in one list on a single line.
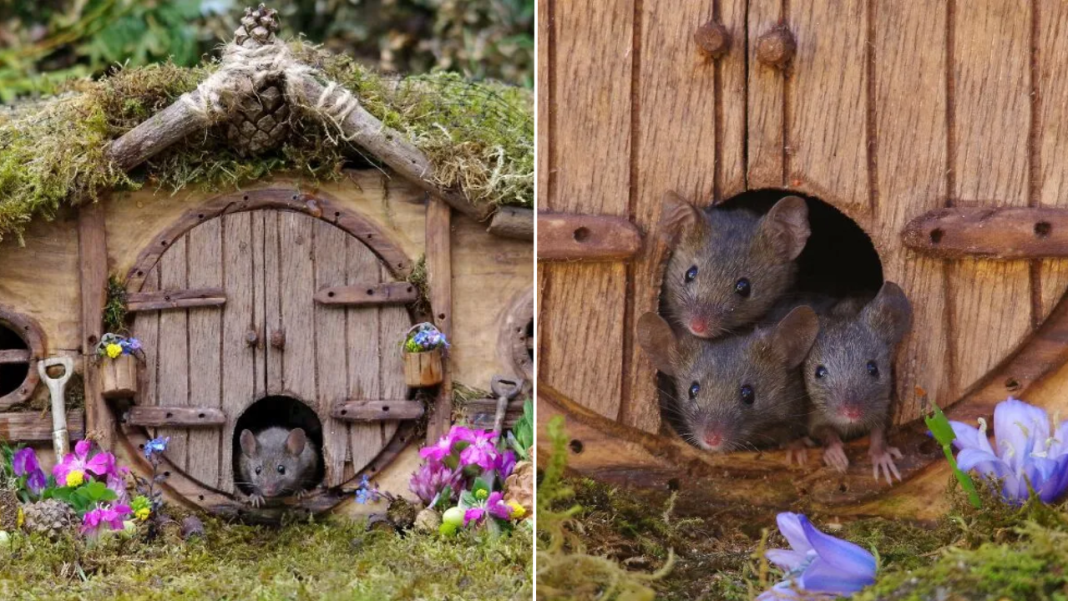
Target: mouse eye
[(282, 469), (748, 396), (821, 371), (691, 273), (258, 470), (742, 288), (694, 389), (873, 369)]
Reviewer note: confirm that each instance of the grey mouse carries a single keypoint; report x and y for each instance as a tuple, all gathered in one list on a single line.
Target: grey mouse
[(729, 267), (848, 376), (277, 462), (741, 392)]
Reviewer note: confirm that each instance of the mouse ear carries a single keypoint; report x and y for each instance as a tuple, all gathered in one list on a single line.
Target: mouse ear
[(678, 217), (295, 441), (785, 228), (889, 314), (658, 341), (794, 336), (248, 443)]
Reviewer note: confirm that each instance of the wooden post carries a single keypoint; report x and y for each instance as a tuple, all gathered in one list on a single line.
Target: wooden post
[(93, 269), (439, 276)]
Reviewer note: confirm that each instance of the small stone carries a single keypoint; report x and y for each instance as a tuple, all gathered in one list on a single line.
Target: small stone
[(192, 526), (427, 520)]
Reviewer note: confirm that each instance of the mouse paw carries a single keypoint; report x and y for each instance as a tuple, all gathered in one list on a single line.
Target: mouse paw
[(882, 463), (256, 500), (834, 456), (303, 493), (797, 450)]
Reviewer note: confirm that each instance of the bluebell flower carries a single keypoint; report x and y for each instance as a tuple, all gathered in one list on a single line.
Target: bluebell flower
[(820, 565), (1028, 450), (365, 493), (156, 446), (363, 496)]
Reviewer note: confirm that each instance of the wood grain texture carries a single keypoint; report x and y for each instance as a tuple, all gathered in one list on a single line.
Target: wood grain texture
[(174, 299), (513, 222), (272, 302), (10, 357), (480, 413), (206, 347), (439, 285), (146, 329), (367, 294), (32, 426), (93, 271), (826, 105), (377, 411), (910, 138), (989, 145), (238, 377), (330, 364), (994, 233), (394, 325), (591, 166), (574, 237), (173, 344), (365, 350), (1050, 146), (202, 450), (764, 104)]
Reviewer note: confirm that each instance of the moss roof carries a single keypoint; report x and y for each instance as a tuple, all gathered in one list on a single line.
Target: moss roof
[(478, 136)]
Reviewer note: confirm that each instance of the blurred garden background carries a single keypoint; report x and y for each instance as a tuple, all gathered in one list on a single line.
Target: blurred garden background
[(44, 42)]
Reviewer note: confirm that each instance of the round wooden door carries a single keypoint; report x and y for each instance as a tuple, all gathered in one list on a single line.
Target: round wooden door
[(229, 314)]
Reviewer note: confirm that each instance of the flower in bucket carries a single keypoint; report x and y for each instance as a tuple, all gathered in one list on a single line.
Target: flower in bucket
[(1030, 451), (818, 566), (114, 346), (77, 466), (424, 337)]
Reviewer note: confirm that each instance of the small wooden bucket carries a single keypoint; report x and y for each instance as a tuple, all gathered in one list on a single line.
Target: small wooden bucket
[(423, 369), (118, 377)]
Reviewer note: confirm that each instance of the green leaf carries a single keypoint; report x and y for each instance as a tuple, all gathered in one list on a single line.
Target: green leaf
[(939, 426), (943, 433)]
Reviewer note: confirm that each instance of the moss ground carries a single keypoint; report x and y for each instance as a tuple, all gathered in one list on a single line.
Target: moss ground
[(333, 559)]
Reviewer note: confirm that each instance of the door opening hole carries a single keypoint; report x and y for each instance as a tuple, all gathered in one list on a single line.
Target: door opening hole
[(283, 412), (14, 359)]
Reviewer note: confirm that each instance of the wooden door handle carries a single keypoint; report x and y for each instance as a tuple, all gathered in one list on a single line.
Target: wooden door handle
[(278, 339)]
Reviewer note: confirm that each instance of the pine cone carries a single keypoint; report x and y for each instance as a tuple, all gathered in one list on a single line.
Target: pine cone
[(50, 517), (401, 513), (261, 120), (9, 509), (519, 487)]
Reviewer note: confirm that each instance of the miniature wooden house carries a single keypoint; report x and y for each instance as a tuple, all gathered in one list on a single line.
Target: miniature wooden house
[(937, 128), (280, 300)]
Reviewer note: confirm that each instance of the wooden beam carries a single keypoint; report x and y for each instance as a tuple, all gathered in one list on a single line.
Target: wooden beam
[(439, 281), (14, 356), (513, 222), (377, 411), (176, 417), (993, 233), (368, 295), (481, 412), (93, 277), (572, 237), (166, 300), (157, 133), (34, 426)]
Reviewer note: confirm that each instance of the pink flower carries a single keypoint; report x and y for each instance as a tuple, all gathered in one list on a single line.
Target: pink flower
[(475, 514), (117, 484), (79, 463), (94, 521), (431, 480), (494, 506), (480, 452), (505, 464), (439, 451)]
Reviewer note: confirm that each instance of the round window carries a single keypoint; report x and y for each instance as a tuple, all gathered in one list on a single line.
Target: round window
[(21, 345)]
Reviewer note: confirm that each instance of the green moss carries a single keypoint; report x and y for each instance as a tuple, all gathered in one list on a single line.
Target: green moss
[(115, 307), (479, 137), (418, 277), (334, 559)]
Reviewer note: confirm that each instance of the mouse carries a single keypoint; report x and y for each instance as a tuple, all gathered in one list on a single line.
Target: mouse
[(728, 267), (738, 392), (277, 462), (848, 376)]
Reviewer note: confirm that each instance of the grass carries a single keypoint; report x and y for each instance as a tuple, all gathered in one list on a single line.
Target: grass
[(330, 559)]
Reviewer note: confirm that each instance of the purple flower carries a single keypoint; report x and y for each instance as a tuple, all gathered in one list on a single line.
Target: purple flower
[(94, 521), (505, 464), (1029, 450), (156, 446), (79, 463), (432, 479), (37, 482), (116, 482), (131, 345), (481, 451), (817, 562), (24, 462), (494, 506), (474, 514)]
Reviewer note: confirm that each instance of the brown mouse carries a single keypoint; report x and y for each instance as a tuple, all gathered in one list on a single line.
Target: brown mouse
[(729, 267), (848, 376), (277, 462), (741, 392)]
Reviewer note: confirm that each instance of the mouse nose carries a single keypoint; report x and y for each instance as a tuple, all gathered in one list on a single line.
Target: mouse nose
[(713, 440), (698, 326), (851, 412)]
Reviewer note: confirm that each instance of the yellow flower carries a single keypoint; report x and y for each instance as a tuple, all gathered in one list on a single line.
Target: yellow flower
[(143, 513), (21, 518), (481, 494), (75, 478), (517, 510), (113, 351)]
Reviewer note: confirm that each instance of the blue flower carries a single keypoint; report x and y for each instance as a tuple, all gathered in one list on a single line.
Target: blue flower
[(363, 496), (1029, 450), (817, 563), (364, 492), (156, 446)]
